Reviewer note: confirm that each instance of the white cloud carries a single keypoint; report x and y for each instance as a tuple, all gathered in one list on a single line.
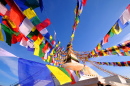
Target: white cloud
[(12, 64), (7, 75)]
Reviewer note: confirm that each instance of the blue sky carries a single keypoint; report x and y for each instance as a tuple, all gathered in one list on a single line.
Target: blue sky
[(96, 20)]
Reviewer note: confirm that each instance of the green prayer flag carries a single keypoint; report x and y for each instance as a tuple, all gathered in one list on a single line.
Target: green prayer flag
[(41, 53), (36, 32), (64, 70), (124, 54), (30, 35), (36, 21), (9, 33), (32, 3), (111, 33), (50, 59)]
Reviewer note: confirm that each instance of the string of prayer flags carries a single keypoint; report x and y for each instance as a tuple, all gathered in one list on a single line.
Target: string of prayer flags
[(120, 24), (120, 64), (78, 11), (16, 21), (1, 35), (106, 71), (120, 50)]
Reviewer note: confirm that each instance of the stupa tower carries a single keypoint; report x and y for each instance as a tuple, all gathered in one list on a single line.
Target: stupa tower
[(72, 63)]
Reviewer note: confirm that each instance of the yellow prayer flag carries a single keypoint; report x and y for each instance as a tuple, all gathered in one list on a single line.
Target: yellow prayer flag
[(1, 35), (38, 41), (93, 53), (33, 29), (117, 49), (48, 59), (117, 28), (112, 30), (72, 35), (104, 54), (11, 23), (119, 63), (61, 76), (52, 51), (50, 37), (77, 21), (29, 13), (37, 48), (126, 64), (75, 10), (99, 46), (127, 53)]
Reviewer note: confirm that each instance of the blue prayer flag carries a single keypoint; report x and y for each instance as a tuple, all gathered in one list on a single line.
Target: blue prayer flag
[(47, 36)]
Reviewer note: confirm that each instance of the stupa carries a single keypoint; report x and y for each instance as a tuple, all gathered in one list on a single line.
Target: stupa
[(72, 63)]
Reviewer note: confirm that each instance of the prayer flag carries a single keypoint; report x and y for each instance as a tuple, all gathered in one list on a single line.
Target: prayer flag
[(1, 35), (3, 10), (26, 26), (45, 47), (16, 14), (117, 28), (30, 49), (6, 53), (36, 21), (125, 16), (40, 76), (105, 39), (44, 31), (9, 23), (121, 25), (21, 4), (41, 53), (47, 36), (43, 25), (99, 46), (29, 13), (16, 38), (33, 3), (53, 42), (9, 33), (37, 48), (54, 35), (111, 32), (61, 76), (84, 2)]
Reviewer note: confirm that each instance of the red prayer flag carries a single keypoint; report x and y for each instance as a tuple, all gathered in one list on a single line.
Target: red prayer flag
[(45, 47), (84, 2), (43, 25), (128, 63), (124, 48), (105, 40), (73, 80), (16, 39), (16, 14)]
